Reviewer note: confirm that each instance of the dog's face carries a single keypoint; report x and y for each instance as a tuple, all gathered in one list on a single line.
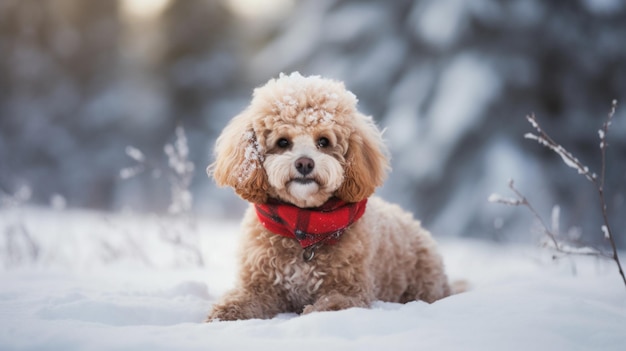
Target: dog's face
[(301, 141), (304, 166)]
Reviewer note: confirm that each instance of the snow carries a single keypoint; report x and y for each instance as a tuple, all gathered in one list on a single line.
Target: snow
[(304, 22), (565, 155), (467, 87), (603, 7), (605, 231), (440, 22), (135, 153), (351, 21), (71, 298), (555, 218), (253, 154), (497, 198)]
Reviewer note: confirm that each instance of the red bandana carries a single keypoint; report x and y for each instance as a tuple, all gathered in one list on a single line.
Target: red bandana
[(310, 226)]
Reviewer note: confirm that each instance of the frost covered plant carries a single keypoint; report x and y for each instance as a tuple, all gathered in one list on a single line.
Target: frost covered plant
[(554, 240), (19, 245), (179, 173), (137, 155)]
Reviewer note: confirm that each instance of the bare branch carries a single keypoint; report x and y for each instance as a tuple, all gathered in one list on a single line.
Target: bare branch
[(544, 139), (570, 160), (606, 228), (554, 241)]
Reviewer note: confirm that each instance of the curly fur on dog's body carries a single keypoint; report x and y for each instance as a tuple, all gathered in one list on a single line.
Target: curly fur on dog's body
[(386, 255)]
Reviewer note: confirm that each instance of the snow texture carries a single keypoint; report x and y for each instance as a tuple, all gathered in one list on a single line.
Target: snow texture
[(70, 298), (605, 231), (565, 155), (253, 156), (440, 22), (497, 198)]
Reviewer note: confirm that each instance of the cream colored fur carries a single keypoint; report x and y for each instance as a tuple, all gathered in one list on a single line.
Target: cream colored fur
[(386, 255)]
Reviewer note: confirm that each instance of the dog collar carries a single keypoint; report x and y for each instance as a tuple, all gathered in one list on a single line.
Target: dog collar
[(312, 227)]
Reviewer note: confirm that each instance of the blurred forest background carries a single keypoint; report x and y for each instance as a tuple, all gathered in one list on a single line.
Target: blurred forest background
[(450, 80)]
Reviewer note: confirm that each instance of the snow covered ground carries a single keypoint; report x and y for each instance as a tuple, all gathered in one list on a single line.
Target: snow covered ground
[(103, 282)]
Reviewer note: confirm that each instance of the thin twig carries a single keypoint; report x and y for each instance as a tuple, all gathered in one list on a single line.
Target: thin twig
[(606, 229), (544, 139), (557, 243)]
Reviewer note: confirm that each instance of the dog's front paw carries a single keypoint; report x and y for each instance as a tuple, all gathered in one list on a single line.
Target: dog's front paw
[(335, 302), (225, 313)]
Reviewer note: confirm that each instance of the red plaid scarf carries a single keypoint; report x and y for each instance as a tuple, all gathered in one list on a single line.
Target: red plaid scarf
[(310, 226)]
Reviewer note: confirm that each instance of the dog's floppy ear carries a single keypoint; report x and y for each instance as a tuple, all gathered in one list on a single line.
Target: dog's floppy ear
[(366, 161), (239, 160)]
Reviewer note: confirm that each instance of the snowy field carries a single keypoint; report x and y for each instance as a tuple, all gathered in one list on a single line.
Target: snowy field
[(93, 281)]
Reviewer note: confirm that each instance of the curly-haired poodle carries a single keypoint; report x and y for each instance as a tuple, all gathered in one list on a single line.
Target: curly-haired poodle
[(315, 239)]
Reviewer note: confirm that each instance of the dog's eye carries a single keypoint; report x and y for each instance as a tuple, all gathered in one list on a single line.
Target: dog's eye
[(282, 143), (323, 142)]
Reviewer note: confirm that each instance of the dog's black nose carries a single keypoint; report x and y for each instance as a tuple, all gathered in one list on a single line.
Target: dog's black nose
[(304, 165)]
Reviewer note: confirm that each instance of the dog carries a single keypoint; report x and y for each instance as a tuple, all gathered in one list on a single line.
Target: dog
[(314, 237)]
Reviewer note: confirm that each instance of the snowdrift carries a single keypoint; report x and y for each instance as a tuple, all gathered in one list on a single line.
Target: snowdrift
[(103, 282)]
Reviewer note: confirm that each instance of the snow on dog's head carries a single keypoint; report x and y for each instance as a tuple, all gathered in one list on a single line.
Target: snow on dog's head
[(301, 140)]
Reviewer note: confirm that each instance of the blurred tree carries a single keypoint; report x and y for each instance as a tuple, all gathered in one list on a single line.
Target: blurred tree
[(57, 58), (452, 81)]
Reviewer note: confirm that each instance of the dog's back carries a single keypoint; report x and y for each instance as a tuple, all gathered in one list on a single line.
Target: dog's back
[(403, 256)]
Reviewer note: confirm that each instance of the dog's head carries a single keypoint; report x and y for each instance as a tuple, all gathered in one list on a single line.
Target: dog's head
[(301, 141)]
